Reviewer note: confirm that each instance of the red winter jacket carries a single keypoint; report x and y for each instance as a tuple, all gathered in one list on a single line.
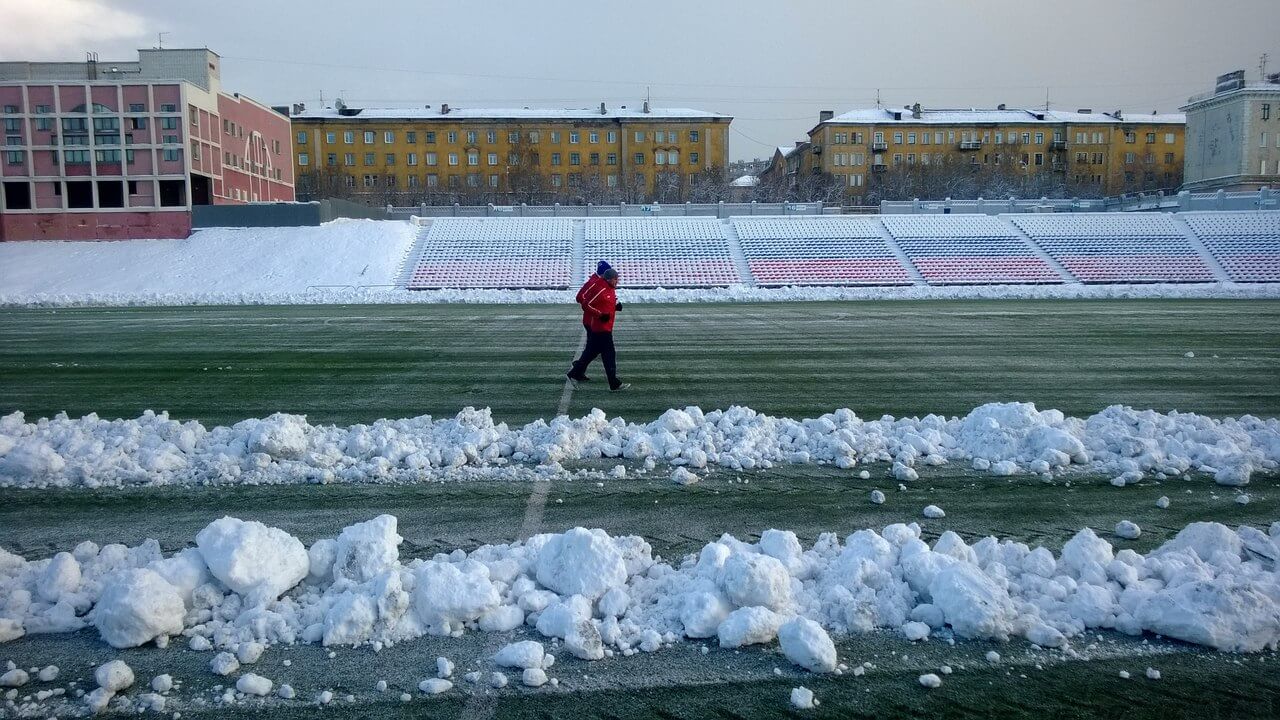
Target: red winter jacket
[(598, 299)]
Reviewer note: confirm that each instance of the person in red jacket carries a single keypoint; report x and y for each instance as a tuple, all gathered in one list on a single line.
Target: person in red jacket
[(600, 305)]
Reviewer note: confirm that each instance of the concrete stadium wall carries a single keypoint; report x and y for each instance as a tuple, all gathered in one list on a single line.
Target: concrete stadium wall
[(282, 214)]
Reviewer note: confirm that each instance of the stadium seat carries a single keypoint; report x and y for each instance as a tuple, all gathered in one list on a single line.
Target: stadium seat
[(1117, 247), (1245, 244), (495, 253), (818, 250), (662, 252), (968, 250)]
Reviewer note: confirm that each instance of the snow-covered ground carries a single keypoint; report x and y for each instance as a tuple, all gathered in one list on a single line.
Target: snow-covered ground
[(217, 262), (345, 262), (244, 586), (1000, 438)]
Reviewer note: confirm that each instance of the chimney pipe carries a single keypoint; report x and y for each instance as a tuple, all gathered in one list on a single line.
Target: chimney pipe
[(646, 106), (602, 110), (915, 111), (1001, 106), (444, 108), (825, 115)]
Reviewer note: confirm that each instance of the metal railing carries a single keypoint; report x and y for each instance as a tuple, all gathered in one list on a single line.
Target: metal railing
[(718, 210), (1158, 201)]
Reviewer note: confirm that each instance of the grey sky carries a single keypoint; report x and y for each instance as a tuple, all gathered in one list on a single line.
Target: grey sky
[(772, 65)]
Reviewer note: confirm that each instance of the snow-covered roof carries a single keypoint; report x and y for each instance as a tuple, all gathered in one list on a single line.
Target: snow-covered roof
[(888, 116), (745, 181), (455, 113)]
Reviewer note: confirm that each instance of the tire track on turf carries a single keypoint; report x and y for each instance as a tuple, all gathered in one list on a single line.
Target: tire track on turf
[(483, 703)]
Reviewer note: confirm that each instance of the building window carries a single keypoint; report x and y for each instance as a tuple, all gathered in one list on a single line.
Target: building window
[(575, 158), (639, 159), (612, 136), (534, 137), (370, 137), (1039, 158), (433, 180), (430, 136), (659, 158), (473, 157), (693, 136), (15, 157), (1263, 142), (1168, 158), (169, 123), (330, 138), (302, 137), (10, 109), (611, 159), (493, 158), (453, 159), (493, 181), (639, 136), (413, 181), (452, 137), (897, 138), (331, 159), (430, 158), (555, 158), (368, 159), (349, 159), (911, 138), (555, 137), (410, 137), (513, 137), (593, 137), (412, 158), (473, 180), (304, 159), (370, 181), (1130, 158), (673, 158), (391, 158), (573, 138), (471, 137), (388, 137), (172, 154), (491, 136), (594, 159), (133, 108), (349, 137), (611, 181), (557, 181)]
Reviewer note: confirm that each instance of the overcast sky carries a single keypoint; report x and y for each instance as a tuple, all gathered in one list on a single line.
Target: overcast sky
[(772, 65)]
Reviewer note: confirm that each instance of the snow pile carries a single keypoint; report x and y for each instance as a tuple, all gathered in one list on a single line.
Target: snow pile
[(225, 263), (1001, 438), (1209, 585)]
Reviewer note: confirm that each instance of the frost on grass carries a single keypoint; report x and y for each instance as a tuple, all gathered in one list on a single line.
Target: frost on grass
[(1000, 438)]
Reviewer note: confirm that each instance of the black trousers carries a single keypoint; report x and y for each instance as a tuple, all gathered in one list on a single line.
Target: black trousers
[(599, 344)]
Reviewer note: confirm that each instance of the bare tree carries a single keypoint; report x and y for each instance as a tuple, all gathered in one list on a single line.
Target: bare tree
[(709, 185)]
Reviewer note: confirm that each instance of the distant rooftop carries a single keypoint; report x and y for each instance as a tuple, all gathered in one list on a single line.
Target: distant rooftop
[(446, 112), (976, 116)]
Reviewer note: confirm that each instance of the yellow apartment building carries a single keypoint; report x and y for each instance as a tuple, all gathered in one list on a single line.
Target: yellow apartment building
[(1091, 152), (412, 155)]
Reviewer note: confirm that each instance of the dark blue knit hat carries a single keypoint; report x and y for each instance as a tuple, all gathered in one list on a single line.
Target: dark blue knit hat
[(601, 267)]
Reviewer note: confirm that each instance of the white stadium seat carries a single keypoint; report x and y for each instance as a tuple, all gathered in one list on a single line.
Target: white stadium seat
[(1117, 247), (1245, 244)]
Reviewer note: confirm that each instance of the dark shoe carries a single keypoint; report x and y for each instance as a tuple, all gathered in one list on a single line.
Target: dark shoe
[(577, 377), (619, 387)]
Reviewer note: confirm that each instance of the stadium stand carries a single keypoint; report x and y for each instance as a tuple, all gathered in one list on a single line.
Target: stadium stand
[(849, 250), (1245, 244), (495, 253), (1117, 247), (968, 249), (818, 251), (666, 252)]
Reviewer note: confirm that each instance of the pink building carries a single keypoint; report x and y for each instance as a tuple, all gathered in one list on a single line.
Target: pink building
[(99, 150)]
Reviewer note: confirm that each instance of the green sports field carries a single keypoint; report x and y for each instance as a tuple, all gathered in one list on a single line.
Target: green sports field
[(359, 363)]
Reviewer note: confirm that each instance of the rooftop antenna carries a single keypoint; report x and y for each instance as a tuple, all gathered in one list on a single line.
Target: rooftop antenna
[(1262, 66), (1046, 99), (160, 39), (877, 97)]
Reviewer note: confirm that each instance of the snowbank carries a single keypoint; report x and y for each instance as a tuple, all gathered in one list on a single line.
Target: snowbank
[(1002, 438), (216, 262), (1209, 585)]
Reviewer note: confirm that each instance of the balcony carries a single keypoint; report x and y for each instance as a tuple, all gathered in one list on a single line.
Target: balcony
[(879, 146), (1058, 145), (970, 144), (879, 167)]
